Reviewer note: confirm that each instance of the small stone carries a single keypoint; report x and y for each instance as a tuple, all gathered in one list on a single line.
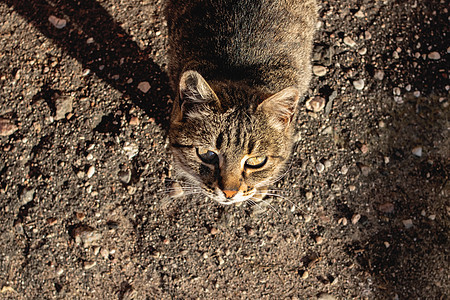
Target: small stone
[(27, 195), (319, 240), (359, 14), (90, 40), (90, 171), (367, 35), (398, 99), (349, 41), (144, 86), (344, 170), (396, 91), (205, 255), (80, 216), (359, 84), (7, 127), (379, 75), (416, 94), (343, 221), (386, 160), (309, 195), (365, 170), (104, 253), (325, 296), (63, 105), (434, 55), (351, 188), (89, 264), (307, 218), (364, 148), (52, 221), (57, 22), (305, 274), (315, 104), (417, 151), (319, 70), (59, 271), (176, 190), (386, 244), (124, 176), (250, 231), (320, 167), (134, 121), (356, 218), (362, 51), (214, 231), (96, 250), (327, 164), (90, 156), (408, 88), (220, 260), (407, 223), (395, 55), (86, 235), (387, 207), (131, 150), (432, 217)]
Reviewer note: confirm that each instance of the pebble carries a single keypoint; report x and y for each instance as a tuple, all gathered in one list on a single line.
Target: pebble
[(319, 70), (320, 167), (319, 240), (434, 55), (176, 190), (362, 51), (309, 195), (358, 84), (131, 150), (432, 217), (80, 216), (364, 148), (27, 195), (305, 274), (343, 221), (90, 171), (220, 260), (124, 176), (89, 264), (325, 296), (327, 164), (57, 22), (396, 91), (214, 231), (344, 170), (104, 253), (349, 41), (315, 104), (356, 218), (407, 223), (408, 88), (59, 271), (359, 14), (144, 86), (85, 234), (416, 94), (52, 221), (367, 35), (417, 151), (307, 218), (365, 170), (387, 207), (63, 105), (352, 188), (7, 127), (134, 121), (398, 99), (379, 75)]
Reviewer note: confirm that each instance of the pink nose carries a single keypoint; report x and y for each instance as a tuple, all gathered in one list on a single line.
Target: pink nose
[(229, 193)]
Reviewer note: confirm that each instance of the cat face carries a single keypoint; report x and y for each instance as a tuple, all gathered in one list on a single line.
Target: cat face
[(229, 141)]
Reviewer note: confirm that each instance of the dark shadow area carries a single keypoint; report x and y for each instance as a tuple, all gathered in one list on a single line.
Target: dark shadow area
[(112, 53)]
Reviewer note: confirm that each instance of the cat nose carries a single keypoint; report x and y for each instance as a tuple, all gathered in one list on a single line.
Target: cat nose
[(229, 193)]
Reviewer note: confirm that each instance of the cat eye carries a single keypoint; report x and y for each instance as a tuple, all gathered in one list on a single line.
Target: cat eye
[(208, 156), (256, 162)]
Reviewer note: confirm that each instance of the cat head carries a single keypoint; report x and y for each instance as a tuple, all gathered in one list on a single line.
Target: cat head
[(229, 140)]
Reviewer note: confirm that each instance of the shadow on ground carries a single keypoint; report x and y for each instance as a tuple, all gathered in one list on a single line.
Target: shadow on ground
[(113, 53)]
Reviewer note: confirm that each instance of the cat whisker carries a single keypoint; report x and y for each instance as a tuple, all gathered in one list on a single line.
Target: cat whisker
[(268, 204), (276, 195)]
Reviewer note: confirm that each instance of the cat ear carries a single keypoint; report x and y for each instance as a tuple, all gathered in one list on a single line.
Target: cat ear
[(195, 92), (281, 107)]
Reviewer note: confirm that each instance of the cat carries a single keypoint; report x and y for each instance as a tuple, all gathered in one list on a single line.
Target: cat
[(238, 69)]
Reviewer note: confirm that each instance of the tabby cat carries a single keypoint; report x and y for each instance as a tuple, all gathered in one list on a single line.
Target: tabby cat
[(239, 68)]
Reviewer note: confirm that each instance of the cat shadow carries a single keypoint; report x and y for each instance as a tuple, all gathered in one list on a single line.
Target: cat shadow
[(110, 54)]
